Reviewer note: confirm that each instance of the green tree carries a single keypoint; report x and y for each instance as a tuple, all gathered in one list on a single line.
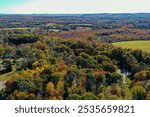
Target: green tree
[(74, 97), (148, 96), (21, 96), (113, 78), (109, 67), (126, 93), (89, 96), (139, 92)]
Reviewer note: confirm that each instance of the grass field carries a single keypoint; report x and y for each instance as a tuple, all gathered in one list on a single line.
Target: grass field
[(6, 76), (9, 75), (22, 28), (143, 45)]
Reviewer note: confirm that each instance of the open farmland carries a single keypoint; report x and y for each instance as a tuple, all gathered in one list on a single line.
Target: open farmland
[(143, 45)]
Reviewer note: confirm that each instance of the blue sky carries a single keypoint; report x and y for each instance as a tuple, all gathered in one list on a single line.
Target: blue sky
[(74, 6), (7, 6)]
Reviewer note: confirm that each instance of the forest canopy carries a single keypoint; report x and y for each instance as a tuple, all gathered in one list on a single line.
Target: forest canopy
[(73, 58)]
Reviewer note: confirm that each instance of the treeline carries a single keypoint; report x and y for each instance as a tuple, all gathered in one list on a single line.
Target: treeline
[(70, 69), (18, 39), (122, 34), (106, 27)]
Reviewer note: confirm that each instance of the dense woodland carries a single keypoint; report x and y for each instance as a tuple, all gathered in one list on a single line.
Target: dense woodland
[(72, 58)]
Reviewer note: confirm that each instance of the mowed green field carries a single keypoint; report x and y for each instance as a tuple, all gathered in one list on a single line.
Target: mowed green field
[(9, 75), (143, 45)]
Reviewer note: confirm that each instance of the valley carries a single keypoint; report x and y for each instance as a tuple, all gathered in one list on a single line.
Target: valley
[(75, 57)]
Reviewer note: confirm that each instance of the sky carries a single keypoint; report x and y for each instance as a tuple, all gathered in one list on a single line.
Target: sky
[(73, 6)]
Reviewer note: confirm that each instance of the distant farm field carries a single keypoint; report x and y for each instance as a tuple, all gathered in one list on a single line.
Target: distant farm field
[(21, 28), (143, 45)]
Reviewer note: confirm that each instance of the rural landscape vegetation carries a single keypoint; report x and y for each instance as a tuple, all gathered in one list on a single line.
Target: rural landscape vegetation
[(75, 57)]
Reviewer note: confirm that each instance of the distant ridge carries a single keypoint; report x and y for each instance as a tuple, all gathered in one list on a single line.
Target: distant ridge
[(86, 14)]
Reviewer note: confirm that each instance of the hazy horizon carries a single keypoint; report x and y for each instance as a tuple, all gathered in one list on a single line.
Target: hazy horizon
[(73, 6)]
